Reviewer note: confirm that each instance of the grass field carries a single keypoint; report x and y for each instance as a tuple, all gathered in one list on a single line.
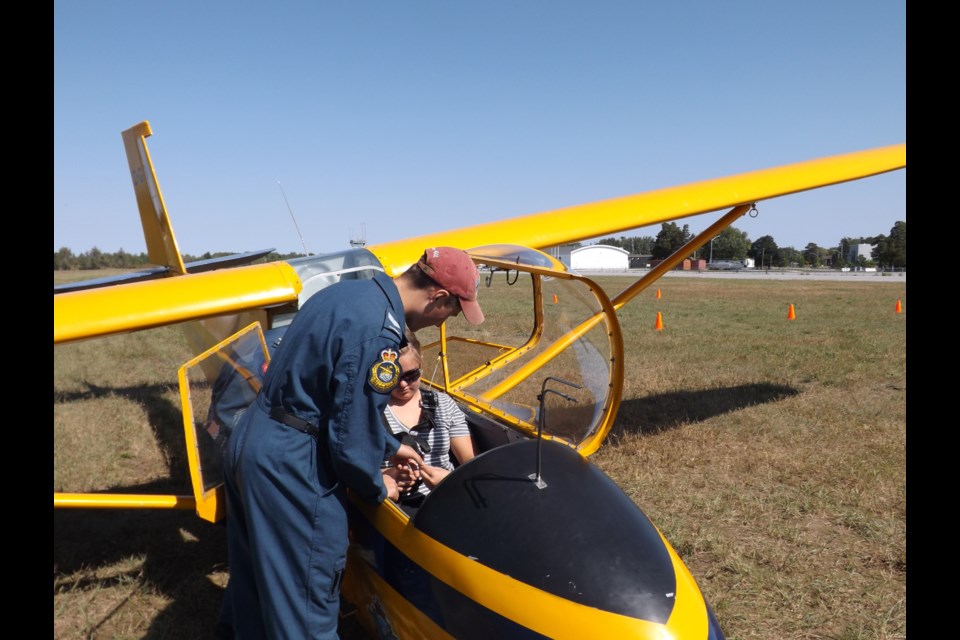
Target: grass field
[(770, 452)]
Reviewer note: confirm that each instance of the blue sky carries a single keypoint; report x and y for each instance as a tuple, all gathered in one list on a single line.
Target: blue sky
[(392, 119)]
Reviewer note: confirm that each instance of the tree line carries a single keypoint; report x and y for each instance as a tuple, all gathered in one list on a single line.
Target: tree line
[(888, 251), (65, 260)]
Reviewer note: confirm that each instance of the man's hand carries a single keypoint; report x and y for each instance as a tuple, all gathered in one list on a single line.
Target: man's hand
[(393, 491), (406, 455), (404, 475)]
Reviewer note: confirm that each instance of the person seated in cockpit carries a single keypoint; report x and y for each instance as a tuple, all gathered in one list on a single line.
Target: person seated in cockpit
[(430, 422)]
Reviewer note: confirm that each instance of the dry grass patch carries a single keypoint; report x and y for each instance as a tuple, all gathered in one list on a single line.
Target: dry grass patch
[(770, 453)]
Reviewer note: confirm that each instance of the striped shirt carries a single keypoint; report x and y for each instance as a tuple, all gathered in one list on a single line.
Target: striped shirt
[(450, 423)]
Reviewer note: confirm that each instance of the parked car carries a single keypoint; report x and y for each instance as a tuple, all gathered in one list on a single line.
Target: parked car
[(725, 265)]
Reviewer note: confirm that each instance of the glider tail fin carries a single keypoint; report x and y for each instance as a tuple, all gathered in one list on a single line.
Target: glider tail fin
[(161, 244)]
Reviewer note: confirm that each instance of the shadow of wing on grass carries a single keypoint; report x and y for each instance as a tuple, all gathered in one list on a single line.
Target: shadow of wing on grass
[(668, 410), (169, 554), (164, 417), (144, 552), (166, 553)]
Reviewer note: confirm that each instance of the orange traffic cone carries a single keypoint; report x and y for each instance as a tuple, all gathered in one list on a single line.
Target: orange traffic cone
[(658, 325), (658, 294), (898, 308), (790, 314)]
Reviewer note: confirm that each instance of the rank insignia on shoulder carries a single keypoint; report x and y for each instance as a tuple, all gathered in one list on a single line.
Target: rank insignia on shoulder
[(385, 372)]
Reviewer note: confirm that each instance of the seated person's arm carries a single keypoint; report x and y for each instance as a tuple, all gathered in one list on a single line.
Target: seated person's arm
[(462, 447), (461, 442), (433, 475)]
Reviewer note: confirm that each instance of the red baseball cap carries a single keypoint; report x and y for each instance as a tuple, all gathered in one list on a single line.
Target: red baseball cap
[(454, 270)]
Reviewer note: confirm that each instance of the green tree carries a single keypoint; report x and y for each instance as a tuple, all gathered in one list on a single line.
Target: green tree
[(670, 238), (634, 245), (788, 257), (892, 251), (92, 259), (612, 242), (63, 259), (765, 251), (642, 245), (731, 244), (813, 255), (841, 259)]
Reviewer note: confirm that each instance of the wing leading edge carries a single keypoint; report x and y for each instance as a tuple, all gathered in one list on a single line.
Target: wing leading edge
[(596, 219)]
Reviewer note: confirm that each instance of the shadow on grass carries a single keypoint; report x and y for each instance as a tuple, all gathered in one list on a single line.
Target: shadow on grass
[(668, 410), (179, 551), (164, 417)]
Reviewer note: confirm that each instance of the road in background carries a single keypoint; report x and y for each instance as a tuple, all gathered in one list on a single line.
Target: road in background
[(772, 274)]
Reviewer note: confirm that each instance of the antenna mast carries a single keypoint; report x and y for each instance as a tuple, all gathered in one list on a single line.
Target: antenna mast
[(361, 240), (292, 217)]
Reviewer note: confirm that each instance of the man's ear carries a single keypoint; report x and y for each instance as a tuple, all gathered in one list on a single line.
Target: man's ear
[(438, 294)]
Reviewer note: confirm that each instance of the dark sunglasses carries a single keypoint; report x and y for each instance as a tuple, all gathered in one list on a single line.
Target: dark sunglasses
[(411, 376)]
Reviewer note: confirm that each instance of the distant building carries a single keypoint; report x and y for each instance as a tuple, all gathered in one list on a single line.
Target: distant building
[(856, 251), (685, 265), (561, 253), (599, 257), (640, 261), (564, 253)]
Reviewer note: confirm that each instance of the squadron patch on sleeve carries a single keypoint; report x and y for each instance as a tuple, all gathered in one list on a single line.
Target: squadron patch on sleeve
[(385, 372)]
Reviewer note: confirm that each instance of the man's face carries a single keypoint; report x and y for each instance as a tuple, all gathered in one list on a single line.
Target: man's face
[(440, 306)]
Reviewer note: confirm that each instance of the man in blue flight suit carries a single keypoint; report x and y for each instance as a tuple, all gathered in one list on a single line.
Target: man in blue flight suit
[(316, 430)]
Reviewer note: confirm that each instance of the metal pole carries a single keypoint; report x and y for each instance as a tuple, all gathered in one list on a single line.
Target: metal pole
[(304, 244)]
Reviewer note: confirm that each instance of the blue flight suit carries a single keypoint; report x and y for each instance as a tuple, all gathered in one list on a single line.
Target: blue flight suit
[(285, 485)]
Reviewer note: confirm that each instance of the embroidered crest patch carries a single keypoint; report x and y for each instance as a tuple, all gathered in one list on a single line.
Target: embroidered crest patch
[(385, 372)]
